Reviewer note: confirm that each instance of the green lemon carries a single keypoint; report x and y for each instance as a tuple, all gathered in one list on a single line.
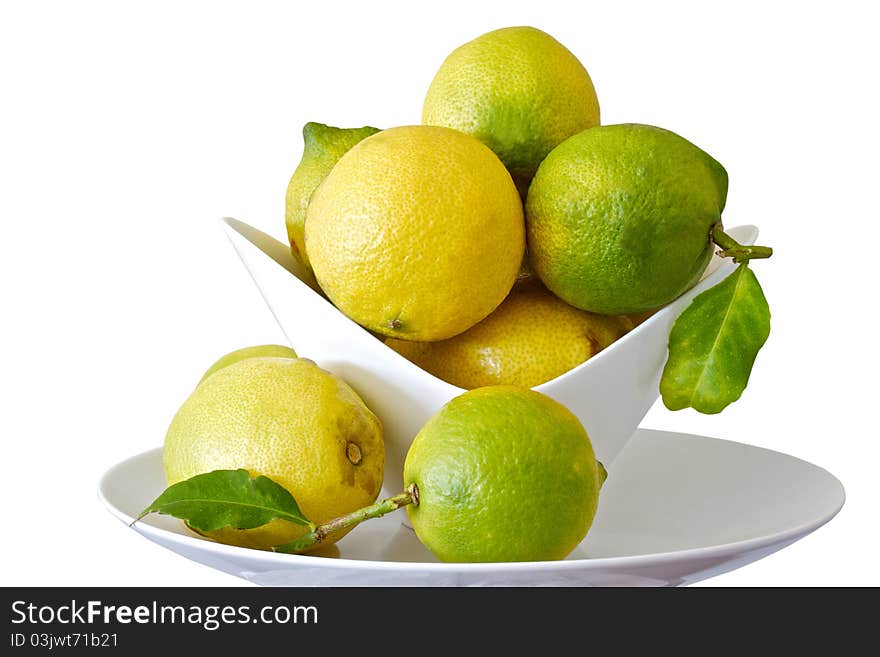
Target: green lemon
[(503, 474), (619, 217), (516, 89), (272, 350), (323, 146)]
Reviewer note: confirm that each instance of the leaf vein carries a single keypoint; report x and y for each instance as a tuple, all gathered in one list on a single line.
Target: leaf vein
[(718, 334)]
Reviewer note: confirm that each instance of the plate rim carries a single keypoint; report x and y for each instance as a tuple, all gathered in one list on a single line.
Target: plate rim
[(294, 560)]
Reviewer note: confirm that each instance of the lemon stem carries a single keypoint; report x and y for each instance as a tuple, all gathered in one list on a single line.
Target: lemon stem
[(730, 248), (321, 532)]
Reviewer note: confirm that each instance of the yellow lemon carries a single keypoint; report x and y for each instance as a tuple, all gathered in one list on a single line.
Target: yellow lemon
[(291, 421), (518, 90), (418, 232), (531, 338)]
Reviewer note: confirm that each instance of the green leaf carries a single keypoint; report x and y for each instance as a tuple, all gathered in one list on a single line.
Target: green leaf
[(227, 498), (713, 344)]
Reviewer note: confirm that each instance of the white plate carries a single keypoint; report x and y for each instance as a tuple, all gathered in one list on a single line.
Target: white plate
[(676, 509)]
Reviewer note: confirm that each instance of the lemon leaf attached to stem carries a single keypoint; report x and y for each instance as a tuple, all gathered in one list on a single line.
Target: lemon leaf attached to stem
[(227, 498), (714, 342)]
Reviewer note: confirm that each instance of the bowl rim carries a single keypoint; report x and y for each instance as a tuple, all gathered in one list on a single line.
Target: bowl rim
[(201, 543)]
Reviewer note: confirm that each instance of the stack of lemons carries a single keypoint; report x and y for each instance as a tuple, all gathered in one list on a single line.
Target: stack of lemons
[(508, 238)]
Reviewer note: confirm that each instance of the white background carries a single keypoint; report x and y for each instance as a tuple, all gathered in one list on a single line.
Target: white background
[(128, 129)]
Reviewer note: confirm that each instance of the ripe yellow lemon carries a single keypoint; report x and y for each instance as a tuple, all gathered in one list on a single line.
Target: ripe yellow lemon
[(286, 419), (532, 337), (503, 474), (518, 90), (418, 232)]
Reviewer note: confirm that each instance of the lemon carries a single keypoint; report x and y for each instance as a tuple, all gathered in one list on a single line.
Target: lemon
[(286, 419), (417, 232), (518, 90), (619, 217), (503, 474), (275, 350), (323, 146), (532, 337)]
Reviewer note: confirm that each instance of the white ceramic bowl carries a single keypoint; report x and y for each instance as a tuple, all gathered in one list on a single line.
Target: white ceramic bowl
[(610, 393), (676, 509)]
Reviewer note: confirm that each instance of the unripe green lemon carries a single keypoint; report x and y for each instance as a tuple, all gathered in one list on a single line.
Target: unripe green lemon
[(503, 474), (619, 218), (323, 145)]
